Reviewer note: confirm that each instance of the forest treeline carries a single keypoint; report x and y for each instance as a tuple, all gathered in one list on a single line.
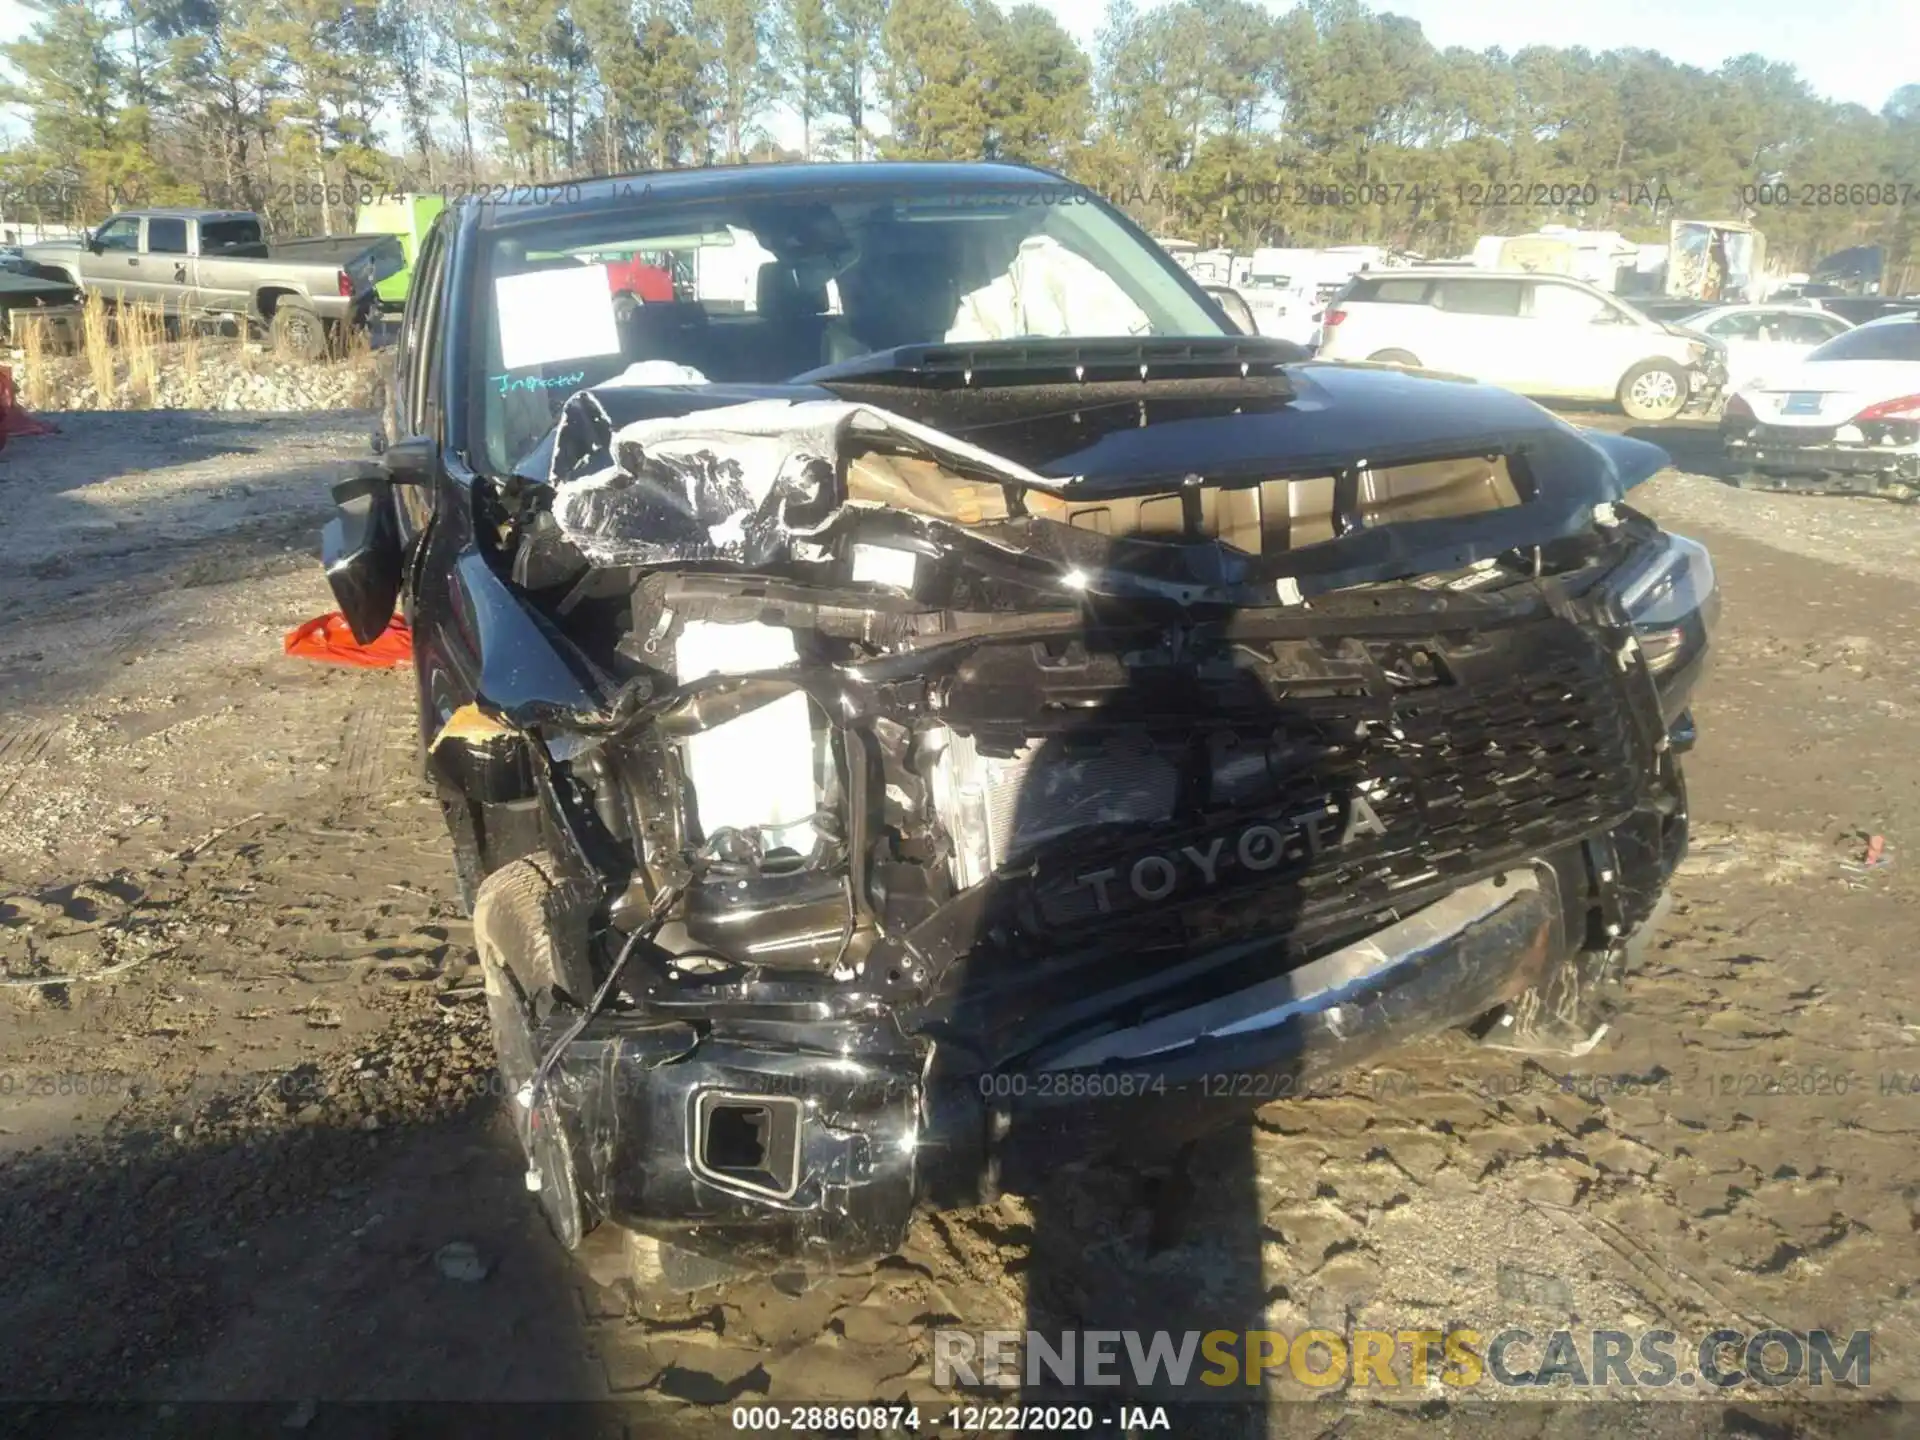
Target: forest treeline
[(1219, 120)]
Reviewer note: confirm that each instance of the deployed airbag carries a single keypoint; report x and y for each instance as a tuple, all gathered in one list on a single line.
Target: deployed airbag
[(1048, 291)]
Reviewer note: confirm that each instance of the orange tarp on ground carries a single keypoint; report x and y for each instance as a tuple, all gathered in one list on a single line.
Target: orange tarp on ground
[(14, 420), (329, 638)]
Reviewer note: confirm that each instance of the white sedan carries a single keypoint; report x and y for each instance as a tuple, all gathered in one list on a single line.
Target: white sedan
[(1846, 418), (1764, 339)]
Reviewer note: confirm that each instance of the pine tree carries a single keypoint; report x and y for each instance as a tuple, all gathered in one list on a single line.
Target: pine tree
[(803, 50), (855, 27), (735, 35), (75, 91)]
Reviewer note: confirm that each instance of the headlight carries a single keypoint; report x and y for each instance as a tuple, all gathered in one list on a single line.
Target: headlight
[(1669, 594)]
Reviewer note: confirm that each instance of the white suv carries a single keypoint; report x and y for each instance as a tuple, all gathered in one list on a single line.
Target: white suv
[(1542, 335)]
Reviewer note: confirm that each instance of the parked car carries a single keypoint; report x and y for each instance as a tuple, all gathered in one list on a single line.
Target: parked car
[(407, 218), (1846, 418), (635, 280), (879, 759), (1806, 290), (1764, 339), (1548, 336), (202, 264), (1859, 309)]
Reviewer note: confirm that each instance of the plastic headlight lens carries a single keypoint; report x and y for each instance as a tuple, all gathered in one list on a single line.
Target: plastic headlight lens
[(1670, 595)]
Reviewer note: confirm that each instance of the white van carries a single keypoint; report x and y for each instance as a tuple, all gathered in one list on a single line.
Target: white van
[(1548, 336)]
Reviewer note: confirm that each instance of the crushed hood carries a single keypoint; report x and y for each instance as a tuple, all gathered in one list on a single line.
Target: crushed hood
[(1187, 489)]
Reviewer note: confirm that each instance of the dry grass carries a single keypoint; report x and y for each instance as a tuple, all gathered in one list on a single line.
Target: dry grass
[(192, 349), (96, 343), (359, 347), (143, 330), (129, 359), (36, 384)]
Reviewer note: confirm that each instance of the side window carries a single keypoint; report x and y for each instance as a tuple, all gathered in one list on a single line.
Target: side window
[(218, 235), (120, 233), (1804, 329), (1396, 292), (1735, 327), (424, 385), (1564, 304), (166, 235), (1479, 297), (405, 345)]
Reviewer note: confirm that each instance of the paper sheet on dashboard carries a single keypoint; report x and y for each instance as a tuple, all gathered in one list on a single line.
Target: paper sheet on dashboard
[(548, 316)]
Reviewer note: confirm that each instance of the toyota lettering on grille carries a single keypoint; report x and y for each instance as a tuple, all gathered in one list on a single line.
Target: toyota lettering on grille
[(1263, 845)]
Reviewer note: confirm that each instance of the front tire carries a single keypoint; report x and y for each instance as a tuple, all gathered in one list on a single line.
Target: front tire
[(1653, 390), (531, 936)]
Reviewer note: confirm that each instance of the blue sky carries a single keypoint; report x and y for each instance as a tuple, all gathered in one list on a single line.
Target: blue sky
[(1849, 50)]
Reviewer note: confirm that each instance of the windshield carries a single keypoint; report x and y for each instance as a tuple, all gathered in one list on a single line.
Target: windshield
[(758, 289), (1899, 340)]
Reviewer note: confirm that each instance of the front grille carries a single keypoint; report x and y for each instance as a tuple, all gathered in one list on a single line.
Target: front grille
[(1043, 793), (1525, 745)]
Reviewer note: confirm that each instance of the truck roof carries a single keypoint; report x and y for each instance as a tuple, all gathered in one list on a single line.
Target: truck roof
[(851, 179), (180, 212)]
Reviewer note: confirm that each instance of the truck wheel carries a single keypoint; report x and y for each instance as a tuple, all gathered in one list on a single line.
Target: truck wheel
[(1653, 390), (531, 936), (625, 307), (296, 330), (1393, 357)]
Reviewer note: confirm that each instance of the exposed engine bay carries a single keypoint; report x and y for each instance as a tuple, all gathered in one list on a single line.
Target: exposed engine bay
[(863, 770)]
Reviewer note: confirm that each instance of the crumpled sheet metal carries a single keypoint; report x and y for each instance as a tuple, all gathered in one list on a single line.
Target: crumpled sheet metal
[(720, 484)]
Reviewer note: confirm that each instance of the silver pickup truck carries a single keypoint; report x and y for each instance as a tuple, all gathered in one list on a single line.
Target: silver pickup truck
[(199, 264)]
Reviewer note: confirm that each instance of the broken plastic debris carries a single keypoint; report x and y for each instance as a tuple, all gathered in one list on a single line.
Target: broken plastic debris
[(460, 1260), (470, 725)]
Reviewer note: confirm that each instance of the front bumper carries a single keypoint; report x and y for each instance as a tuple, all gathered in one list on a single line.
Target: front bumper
[(1705, 386), (857, 1122)]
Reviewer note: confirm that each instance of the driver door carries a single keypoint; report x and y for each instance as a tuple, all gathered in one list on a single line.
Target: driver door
[(112, 262)]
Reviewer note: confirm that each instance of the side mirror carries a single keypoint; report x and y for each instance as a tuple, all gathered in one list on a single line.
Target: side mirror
[(93, 244), (360, 552), (410, 461), (1238, 311)]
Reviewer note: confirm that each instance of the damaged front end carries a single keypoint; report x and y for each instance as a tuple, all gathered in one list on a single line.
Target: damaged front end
[(874, 817)]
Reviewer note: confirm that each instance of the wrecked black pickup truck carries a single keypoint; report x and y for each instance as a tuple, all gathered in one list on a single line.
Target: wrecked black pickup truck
[(970, 707)]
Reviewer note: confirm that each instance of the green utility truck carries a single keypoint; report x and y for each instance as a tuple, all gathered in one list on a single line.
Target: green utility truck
[(409, 217)]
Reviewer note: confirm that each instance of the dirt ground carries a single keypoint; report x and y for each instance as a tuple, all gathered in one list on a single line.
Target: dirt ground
[(230, 1168)]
